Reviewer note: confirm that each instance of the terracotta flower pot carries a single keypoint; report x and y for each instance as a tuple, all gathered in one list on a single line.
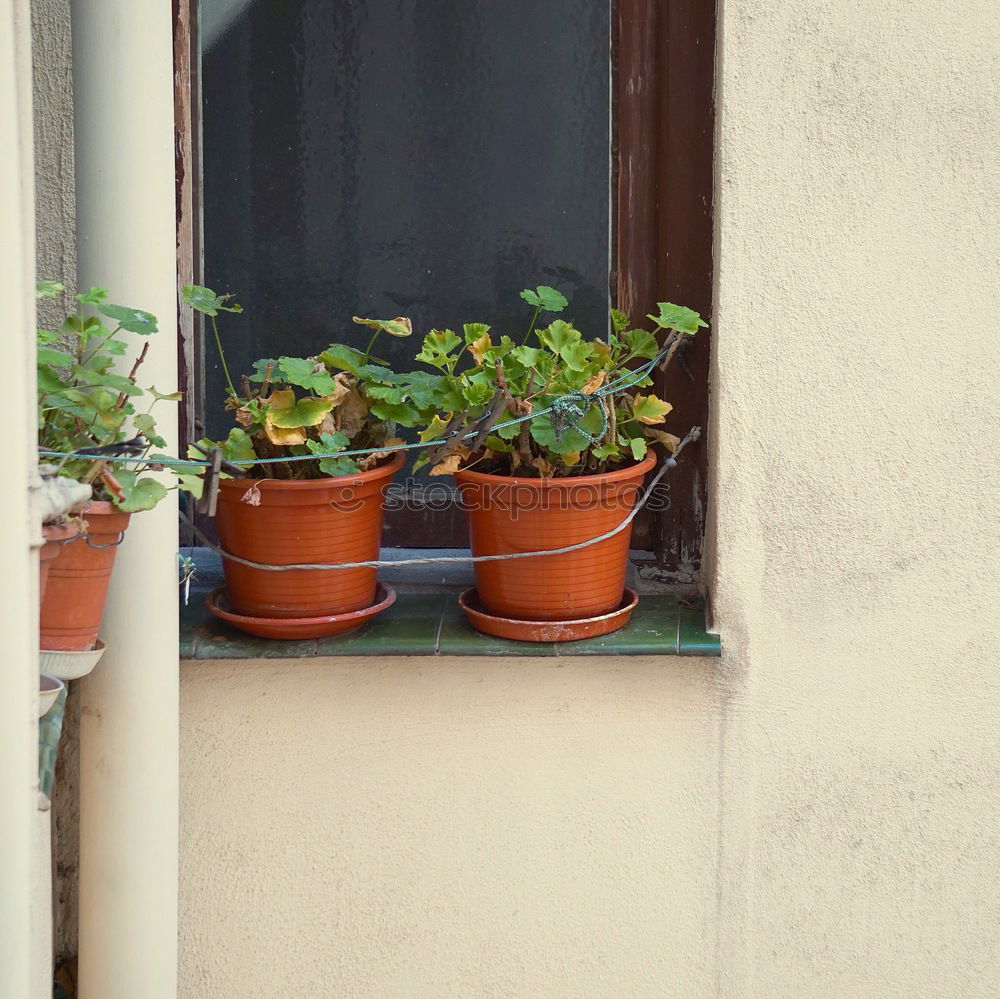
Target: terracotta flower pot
[(56, 535), (78, 581), (507, 514), (325, 521)]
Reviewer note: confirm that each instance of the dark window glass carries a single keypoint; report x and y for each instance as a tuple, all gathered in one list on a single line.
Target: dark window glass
[(400, 157)]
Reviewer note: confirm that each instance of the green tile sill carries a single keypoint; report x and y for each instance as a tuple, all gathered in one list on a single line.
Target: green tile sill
[(431, 624)]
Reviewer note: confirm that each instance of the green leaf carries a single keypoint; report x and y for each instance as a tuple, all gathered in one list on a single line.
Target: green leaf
[(304, 413), (260, 368), (120, 383), (508, 433), (619, 320), (677, 317), (93, 296), (140, 493), (438, 344), (571, 440), (236, 447), (640, 343), (328, 442), (206, 301), (403, 413), (58, 358), (164, 397), (307, 373), (605, 450), (498, 444), (49, 381), (473, 331), (577, 355), (639, 447), (422, 388), (133, 320), (558, 335), (528, 356), (49, 289), (545, 298), (336, 465), (145, 424), (341, 357)]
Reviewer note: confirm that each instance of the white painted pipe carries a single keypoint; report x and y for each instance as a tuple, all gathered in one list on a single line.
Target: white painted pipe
[(123, 106), (19, 586)]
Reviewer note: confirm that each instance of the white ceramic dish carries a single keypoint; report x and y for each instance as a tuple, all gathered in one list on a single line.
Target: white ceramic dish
[(48, 691), (70, 665)]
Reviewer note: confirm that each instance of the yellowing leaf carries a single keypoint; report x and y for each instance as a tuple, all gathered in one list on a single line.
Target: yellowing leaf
[(342, 388), (371, 460), (570, 458), (479, 347), (669, 440), (353, 412), (400, 326), (435, 428), (602, 351), (544, 467), (450, 464), (593, 383), (284, 435), (649, 409)]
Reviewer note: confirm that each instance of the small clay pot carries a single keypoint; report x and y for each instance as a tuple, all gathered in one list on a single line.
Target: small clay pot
[(56, 535), (78, 580), (509, 514), (316, 521)]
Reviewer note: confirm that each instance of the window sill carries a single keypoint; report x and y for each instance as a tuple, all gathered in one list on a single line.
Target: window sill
[(425, 620)]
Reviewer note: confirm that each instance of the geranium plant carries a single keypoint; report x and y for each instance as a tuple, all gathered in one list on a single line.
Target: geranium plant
[(89, 409), (555, 372), (341, 399)]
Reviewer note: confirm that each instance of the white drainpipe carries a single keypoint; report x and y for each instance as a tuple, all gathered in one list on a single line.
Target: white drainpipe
[(19, 597), (123, 83)]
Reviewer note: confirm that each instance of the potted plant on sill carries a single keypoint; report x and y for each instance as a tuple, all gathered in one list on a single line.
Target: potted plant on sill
[(89, 413), (568, 473), (304, 502)]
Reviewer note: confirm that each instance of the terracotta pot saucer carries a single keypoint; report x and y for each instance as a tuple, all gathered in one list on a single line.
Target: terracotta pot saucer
[(547, 631), (299, 627)]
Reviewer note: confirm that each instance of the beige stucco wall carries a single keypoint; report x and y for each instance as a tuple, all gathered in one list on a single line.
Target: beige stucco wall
[(854, 433), (487, 827), (816, 814)]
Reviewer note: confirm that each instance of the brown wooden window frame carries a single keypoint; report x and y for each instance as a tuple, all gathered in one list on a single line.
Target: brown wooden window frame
[(663, 127)]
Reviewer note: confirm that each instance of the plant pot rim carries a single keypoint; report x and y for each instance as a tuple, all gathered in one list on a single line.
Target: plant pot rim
[(60, 532), (617, 475), (98, 507), (336, 481)]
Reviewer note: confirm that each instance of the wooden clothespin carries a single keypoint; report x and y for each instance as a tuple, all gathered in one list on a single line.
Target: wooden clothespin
[(210, 490)]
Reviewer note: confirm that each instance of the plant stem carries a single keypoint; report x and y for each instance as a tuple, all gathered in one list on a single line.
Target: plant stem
[(222, 359), (371, 343), (534, 318)]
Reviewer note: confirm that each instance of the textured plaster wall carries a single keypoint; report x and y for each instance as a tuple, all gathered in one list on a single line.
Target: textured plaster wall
[(55, 259), (448, 828), (55, 202), (814, 816), (855, 496)]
